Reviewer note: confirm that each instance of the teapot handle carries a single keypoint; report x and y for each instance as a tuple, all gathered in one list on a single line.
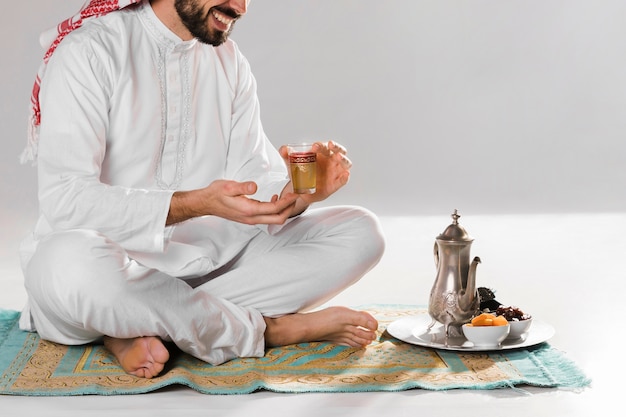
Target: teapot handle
[(436, 254)]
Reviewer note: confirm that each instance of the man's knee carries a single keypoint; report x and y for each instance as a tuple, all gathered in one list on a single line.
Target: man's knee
[(368, 232), (64, 275)]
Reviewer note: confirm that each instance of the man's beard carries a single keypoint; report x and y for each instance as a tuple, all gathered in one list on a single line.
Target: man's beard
[(195, 20)]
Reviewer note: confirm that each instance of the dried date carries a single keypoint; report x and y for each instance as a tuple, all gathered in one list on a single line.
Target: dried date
[(512, 313)]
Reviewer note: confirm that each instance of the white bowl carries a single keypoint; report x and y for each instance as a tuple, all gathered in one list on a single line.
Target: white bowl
[(519, 328), (486, 336)]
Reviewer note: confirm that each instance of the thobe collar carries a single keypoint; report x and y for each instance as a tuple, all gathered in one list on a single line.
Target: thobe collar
[(162, 33)]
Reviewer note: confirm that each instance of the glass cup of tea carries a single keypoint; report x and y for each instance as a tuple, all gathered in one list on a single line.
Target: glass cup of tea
[(302, 167)]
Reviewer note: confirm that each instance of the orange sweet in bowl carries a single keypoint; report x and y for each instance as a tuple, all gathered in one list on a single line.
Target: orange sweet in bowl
[(486, 330), (487, 319)]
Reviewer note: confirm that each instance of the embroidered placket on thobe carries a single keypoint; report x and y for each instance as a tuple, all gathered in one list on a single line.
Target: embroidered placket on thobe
[(176, 114)]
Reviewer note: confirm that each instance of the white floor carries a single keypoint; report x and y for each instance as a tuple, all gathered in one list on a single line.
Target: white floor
[(566, 269)]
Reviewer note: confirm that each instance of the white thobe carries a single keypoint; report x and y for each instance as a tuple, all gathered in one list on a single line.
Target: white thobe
[(131, 113)]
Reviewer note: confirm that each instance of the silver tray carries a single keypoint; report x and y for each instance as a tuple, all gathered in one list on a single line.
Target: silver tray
[(414, 330)]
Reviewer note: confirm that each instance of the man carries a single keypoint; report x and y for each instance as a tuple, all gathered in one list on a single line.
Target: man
[(166, 214)]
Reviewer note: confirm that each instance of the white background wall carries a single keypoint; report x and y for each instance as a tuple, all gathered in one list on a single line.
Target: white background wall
[(488, 106)]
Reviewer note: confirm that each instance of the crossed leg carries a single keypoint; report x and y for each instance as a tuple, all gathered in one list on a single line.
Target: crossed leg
[(338, 325)]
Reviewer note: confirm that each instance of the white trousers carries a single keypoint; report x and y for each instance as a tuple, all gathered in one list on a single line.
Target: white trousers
[(82, 286)]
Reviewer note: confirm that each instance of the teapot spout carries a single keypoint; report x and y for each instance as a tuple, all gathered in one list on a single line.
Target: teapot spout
[(469, 301), (471, 276)]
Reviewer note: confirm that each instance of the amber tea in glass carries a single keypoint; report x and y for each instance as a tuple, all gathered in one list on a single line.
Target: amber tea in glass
[(302, 164)]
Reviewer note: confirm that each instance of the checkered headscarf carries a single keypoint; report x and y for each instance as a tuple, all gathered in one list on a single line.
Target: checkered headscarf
[(91, 9)]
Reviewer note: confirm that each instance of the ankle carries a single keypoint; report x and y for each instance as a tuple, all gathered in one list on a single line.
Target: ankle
[(284, 330)]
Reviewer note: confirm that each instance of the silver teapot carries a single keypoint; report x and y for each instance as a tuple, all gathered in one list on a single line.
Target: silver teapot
[(454, 298)]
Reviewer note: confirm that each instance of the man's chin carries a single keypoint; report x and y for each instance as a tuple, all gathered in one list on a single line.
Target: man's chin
[(215, 38)]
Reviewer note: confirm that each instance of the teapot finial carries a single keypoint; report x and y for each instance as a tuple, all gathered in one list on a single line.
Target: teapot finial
[(455, 217)]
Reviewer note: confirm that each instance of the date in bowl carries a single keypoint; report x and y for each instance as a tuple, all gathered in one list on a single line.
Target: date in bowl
[(520, 322)]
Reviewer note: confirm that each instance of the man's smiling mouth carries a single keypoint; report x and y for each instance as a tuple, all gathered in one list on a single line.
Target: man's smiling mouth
[(222, 18)]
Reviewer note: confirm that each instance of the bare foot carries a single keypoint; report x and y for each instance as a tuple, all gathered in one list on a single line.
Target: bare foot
[(338, 325), (144, 357)]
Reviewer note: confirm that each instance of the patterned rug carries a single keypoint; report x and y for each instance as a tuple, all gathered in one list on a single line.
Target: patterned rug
[(31, 366)]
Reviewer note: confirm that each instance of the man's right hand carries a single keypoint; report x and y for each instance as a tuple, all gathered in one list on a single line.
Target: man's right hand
[(229, 200)]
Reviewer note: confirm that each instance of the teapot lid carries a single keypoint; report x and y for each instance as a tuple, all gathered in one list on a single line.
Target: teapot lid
[(455, 232)]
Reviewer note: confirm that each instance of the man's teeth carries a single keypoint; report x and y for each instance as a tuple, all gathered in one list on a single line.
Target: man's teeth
[(225, 20)]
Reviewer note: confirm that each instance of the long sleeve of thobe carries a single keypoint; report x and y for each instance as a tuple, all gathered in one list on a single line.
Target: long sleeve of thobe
[(72, 147)]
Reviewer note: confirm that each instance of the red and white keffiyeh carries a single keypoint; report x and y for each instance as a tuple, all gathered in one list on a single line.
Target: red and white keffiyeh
[(91, 9)]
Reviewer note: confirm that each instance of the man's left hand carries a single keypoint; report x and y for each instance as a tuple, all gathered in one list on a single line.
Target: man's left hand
[(333, 169)]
